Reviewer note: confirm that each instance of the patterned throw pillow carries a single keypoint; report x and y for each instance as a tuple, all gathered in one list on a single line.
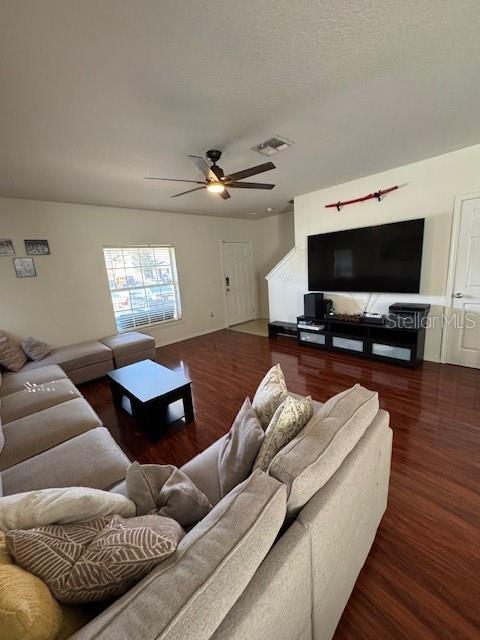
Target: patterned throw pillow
[(12, 356), (2, 438), (97, 560), (288, 420), (271, 392)]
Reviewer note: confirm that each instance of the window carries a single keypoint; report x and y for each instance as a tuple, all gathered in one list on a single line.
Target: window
[(143, 285)]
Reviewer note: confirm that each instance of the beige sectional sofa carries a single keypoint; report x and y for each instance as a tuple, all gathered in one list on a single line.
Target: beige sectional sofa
[(52, 436), (275, 559), (93, 359)]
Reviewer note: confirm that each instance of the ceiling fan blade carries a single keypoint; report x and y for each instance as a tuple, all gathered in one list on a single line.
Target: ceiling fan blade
[(249, 185), (205, 168), (225, 195), (189, 191), (253, 171), (174, 180)]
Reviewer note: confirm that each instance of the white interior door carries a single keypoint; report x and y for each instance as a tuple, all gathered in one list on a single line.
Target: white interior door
[(463, 342), (239, 282)]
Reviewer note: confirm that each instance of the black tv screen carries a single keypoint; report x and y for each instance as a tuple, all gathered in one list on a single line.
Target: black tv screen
[(386, 258)]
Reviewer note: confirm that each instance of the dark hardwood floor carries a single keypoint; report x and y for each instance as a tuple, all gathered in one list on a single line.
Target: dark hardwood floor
[(421, 580)]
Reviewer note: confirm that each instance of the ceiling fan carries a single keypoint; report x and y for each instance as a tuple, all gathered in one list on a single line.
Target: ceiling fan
[(215, 179)]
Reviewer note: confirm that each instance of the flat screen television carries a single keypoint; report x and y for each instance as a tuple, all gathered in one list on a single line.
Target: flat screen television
[(386, 259)]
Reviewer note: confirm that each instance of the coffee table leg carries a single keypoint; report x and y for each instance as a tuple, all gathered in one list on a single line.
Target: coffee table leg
[(188, 405), (116, 395), (143, 414)]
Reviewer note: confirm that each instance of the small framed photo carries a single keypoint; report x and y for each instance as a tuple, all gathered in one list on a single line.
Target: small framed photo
[(24, 267), (6, 248), (37, 247)]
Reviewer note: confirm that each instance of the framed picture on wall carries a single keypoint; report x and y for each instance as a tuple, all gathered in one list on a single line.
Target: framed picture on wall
[(24, 267), (37, 247), (6, 248)]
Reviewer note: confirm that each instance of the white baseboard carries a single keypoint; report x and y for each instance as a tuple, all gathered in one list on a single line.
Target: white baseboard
[(432, 359)]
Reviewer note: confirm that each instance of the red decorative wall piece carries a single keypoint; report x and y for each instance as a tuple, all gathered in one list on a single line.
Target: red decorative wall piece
[(377, 194)]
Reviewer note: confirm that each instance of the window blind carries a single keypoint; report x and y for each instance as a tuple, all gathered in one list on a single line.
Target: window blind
[(143, 285)]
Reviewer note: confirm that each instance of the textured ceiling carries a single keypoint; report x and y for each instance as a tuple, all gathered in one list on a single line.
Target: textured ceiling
[(96, 94)]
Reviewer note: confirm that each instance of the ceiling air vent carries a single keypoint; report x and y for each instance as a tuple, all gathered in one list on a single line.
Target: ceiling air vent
[(272, 146)]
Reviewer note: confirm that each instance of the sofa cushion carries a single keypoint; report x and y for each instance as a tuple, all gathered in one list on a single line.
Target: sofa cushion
[(271, 392), (24, 379), (129, 342), (287, 421), (61, 506), (213, 564), (75, 356), (239, 448), (96, 560), (12, 356), (23, 403), (309, 460), (164, 489), (277, 603), (35, 349), (45, 429), (92, 459), (28, 611)]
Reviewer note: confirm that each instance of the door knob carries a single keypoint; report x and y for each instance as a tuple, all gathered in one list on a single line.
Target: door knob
[(458, 295)]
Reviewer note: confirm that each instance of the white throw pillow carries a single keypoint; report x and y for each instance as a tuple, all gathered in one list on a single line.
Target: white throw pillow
[(61, 506)]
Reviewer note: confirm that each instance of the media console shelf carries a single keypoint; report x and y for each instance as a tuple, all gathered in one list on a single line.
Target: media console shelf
[(369, 339), (278, 328)]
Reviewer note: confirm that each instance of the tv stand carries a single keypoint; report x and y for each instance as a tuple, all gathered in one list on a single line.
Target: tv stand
[(385, 342)]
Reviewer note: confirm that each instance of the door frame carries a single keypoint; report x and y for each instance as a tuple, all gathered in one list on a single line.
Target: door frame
[(452, 265), (254, 281)]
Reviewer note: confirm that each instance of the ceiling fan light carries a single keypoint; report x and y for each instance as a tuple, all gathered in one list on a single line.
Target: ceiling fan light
[(215, 187)]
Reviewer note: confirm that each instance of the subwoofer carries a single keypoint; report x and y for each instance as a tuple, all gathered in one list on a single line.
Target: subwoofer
[(314, 305)]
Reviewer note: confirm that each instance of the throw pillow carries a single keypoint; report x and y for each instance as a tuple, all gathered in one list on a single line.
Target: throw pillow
[(288, 420), (12, 356), (28, 610), (97, 560), (271, 392), (35, 349), (166, 490), (239, 448), (60, 506), (2, 437)]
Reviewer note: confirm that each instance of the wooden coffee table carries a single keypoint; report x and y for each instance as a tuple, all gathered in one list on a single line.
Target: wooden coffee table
[(147, 391)]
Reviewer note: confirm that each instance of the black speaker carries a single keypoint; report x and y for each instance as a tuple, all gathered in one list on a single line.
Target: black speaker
[(313, 306)]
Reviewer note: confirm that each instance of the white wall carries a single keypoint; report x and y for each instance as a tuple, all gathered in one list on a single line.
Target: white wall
[(69, 300), (427, 189), (273, 238)]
